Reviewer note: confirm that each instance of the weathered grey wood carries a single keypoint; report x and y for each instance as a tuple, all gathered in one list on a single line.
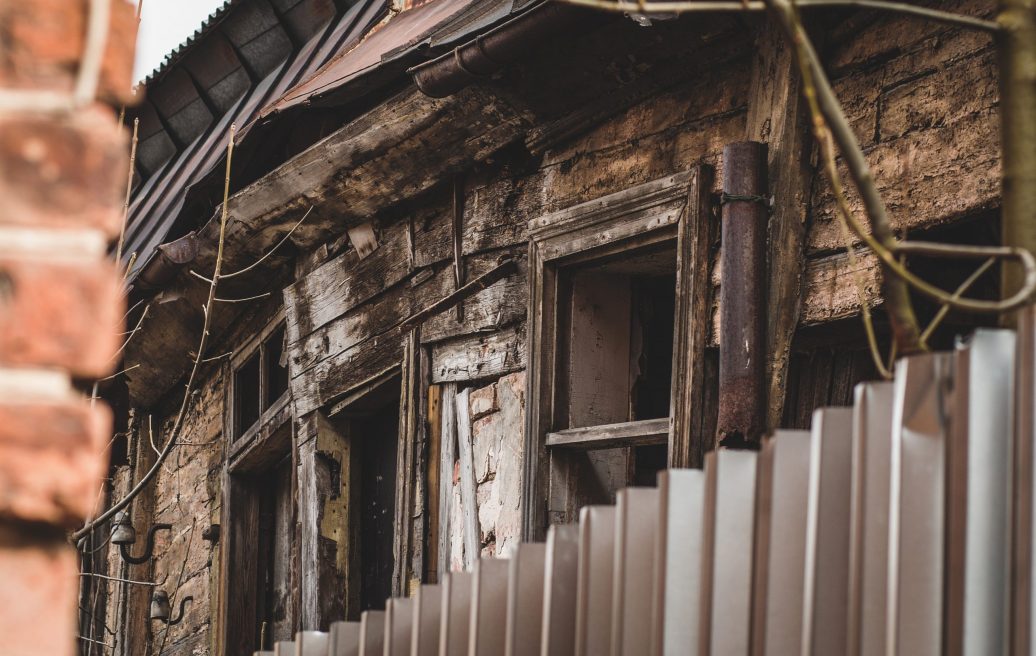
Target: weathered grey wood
[(978, 523), (917, 505), (472, 533), (502, 304), (399, 620), (629, 433), (406, 472), (826, 586), (636, 529), (344, 639), (560, 583), (340, 374), (345, 282), (447, 458), (869, 515), (378, 149), (678, 572), (488, 628), (690, 437), (456, 614), (778, 116), (525, 600), (726, 608), (427, 621), (595, 584), (311, 643), (363, 239), (479, 356), (780, 551), (499, 272)]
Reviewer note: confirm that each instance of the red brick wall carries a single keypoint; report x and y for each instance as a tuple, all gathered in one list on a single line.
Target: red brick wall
[(61, 184)]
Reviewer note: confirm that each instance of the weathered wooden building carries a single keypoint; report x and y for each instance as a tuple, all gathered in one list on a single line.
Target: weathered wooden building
[(510, 202)]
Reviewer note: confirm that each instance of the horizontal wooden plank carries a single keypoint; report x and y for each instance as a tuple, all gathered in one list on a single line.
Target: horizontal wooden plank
[(338, 375), (341, 284), (383, 312), (627, 433), (479, 356)]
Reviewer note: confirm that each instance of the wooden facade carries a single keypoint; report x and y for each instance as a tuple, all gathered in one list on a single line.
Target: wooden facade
[(377, 418)]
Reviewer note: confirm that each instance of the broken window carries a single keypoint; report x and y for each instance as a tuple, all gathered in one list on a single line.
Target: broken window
[(260, 380), (620, 296)]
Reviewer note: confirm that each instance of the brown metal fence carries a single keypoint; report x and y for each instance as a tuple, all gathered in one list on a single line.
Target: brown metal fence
[(901, 525)]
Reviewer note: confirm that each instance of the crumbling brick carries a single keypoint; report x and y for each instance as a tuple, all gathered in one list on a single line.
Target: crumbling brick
[(59, 313), (38, 595), (52, 459), (44, 41), (63, 172)]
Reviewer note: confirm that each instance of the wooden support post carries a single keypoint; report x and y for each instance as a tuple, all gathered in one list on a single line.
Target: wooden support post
[(458, 238), (472, 533), (742, 391), (779, 117)]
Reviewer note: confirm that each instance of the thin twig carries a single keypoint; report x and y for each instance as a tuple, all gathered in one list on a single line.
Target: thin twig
[(242, 300), (151, 436), (115, 578), (140, 322), (118, 373), (662, 7), (129, 191), (203, 340), (269, 252), (218, 357), (199, 276), (96, 642)]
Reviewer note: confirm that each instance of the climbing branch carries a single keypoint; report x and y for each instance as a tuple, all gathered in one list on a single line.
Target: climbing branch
[(192, 377), (678, 7)]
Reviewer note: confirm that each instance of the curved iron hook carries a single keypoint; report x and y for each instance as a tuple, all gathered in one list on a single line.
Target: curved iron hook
[(149, 547), (183, 602)]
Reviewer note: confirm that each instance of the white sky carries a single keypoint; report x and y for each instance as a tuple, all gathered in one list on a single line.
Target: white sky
[(165, 24)]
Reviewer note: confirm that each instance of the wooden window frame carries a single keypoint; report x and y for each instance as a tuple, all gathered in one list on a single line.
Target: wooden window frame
[(677, 209), (270, 418)]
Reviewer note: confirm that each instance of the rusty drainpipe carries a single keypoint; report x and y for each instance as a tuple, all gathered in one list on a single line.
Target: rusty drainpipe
[(742, 307)]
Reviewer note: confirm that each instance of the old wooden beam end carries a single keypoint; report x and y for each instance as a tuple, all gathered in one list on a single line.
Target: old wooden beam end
[(742, 367)]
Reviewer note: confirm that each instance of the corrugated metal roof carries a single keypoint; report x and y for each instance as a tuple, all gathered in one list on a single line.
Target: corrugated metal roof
[(157, 204), (321, 71)]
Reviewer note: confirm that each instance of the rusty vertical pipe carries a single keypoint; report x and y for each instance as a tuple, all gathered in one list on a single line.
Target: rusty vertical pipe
[(742, 348)]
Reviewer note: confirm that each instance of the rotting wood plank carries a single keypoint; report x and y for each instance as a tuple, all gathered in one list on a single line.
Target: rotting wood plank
[(433, 489), (395, 152), (628, 433), (472, 533), (479, 356), (696, 239), (778, 116), (378, 316), (341, 284), (447, 457)]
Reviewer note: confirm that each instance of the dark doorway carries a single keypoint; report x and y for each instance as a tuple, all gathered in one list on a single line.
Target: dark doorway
[(376, 439), (369, 422), (275, 538)]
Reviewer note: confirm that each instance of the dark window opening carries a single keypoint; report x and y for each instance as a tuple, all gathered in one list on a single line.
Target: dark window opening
[(246, 395), (260, 382), (276, 364)]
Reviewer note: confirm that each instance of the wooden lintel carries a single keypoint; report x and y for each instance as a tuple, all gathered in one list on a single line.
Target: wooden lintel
[(500, 271)]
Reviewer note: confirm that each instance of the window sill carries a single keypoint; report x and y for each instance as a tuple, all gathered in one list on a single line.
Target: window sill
[(610, 436)]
